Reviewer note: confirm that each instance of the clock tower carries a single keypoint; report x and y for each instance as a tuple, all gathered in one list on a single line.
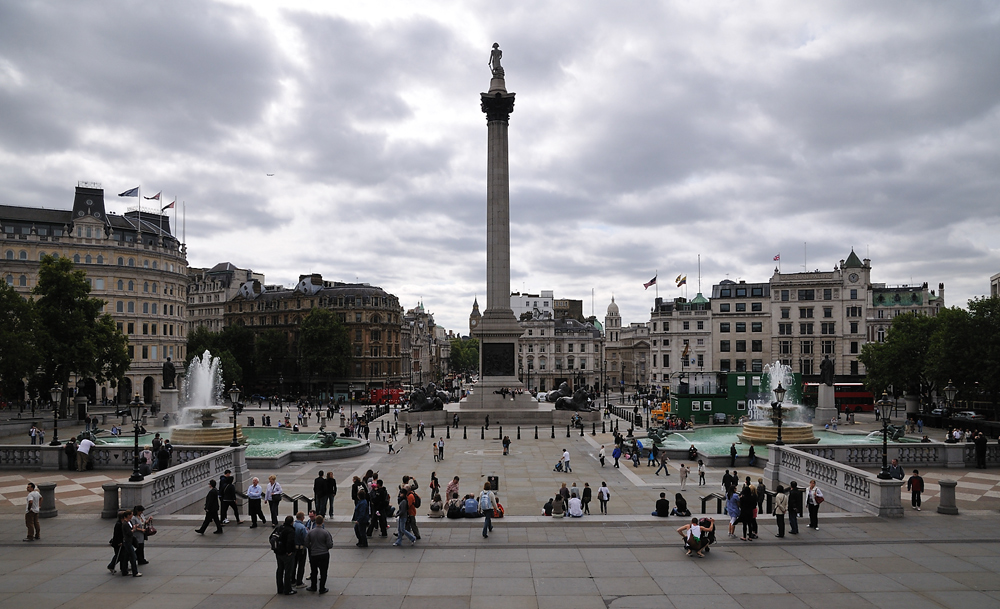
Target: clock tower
[(474, 318)]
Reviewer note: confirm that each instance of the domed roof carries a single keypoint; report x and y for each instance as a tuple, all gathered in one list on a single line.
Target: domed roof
[(613, 308)]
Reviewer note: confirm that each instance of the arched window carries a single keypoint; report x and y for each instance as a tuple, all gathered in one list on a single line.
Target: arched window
[(100, 259), (22, 281), (23, 255), (154, 265), (76, 258), (41, 255), (145, 263), (88, 259), (10, 254), (131, 261), (154, 287), (121, 261), (376, 318), (121, 284), (131, 286), (131, 307), (145, 307), (120, 306), (145, 286), (154, 308)]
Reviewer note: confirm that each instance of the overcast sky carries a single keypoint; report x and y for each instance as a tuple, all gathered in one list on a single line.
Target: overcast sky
[(643, 135)]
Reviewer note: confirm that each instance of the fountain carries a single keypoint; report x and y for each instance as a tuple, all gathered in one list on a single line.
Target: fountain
[(202, 391), (761, 428)]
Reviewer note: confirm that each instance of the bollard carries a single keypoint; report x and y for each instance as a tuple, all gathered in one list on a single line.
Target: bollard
[(616, 425), (946, 498), (499, 432), (110, 500), (536, 432), (593, 429), (432, 431), (447, 432), (603, 428), (581, 430), (553, 431), (48, 507), (518, 432), (482, 433), (465, 432)]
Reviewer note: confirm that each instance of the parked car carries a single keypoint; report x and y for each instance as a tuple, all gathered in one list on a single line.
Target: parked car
[(967, 414), (937, 412)]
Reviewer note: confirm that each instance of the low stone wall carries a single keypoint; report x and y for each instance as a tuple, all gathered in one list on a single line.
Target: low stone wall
[(844, 486), (104, 457), (186, 483), (909, 454)]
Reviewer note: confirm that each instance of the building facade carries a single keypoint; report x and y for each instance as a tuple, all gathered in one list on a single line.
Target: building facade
[(533, 305), (208, 291), (132, 261), (554, 351), (885, 302), (741, 324), (680, 337), (372, 316), (429, 347)]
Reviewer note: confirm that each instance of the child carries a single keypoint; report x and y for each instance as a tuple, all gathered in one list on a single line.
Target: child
[(916, 486)]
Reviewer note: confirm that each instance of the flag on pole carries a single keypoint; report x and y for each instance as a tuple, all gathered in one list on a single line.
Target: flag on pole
[(155, 197), (681, 280), (132, 192), (649, 283), (777, 256), (169, 205)]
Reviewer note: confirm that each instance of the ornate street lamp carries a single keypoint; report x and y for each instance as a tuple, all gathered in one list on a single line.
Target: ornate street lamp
[(776, 416), (55, 393), (350, 390), (135, 406), (234, 397), (949, 394), (885, 411)]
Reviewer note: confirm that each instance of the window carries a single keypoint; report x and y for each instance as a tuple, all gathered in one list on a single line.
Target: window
[(756, 307), (806, 366), (828, 327), (687, 325), (854, 346), (357, 335), (145, 307), (827, 294), (666, 360), (131, 307), (121, 261), (131, 286), (827, 347), (854, 296), (724, 326), (880, 334), (154, 308), (784, 329), (854, 311), (807, 294), (654, 326), (725, 293), (155, 287), (76, 258), (701, 325), (152, 352), (23, 255), (741, 307), (145, 328), (741, 292), (805, 328), (741, 326), (131, 261), (854, 327), (784, 295), (741, 346), (741, 365), (22, 281), (701, 360), (756, 326), (120, 307), (100, 259), (806, 347), (724, 307), (756, 365), (569, 348), (785, 347), (724, 365), (724, 346), (786, 313), (854, 367), (131, 327), (757, 346), (805, 313), (145, 352), (757, 292)]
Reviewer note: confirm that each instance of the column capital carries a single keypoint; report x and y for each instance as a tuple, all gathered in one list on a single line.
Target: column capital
[(497, 106)]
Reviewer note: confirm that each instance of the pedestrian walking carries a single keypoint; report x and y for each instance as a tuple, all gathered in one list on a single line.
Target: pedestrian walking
[(140, 527), (664, 465), (603, 496), (780, 508), (701, 473), (794, 508), (616, 454), (915, 484), (282, 542), (126, 555), (331, 491), (361, 518), (320, 542), (565, 458), (254, 495), (487, 505), (403, 506), (33, 504), (379, 508), (600, 455), (211, 510), (228, 495), (814, 497), (684, 475), (732, 455), (586, 498), (301, 552), (116, 543), (272, 496)]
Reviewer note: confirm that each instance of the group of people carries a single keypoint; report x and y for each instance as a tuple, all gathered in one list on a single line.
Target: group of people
[(128, 540), (574, 501)]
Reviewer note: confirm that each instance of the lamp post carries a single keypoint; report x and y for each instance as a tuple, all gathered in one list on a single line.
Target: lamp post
[(281, 389), (885, 411), (234, 397), (136, 409), (949, 395), (779, 396), (56, 394), (350, 390)]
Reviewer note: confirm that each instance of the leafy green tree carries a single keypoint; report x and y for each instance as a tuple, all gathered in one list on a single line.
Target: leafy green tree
[(239, 342), (901, 361), (19, 356), (465, 355), (324, 345), (270, 353), (73, 335), (986, 354)]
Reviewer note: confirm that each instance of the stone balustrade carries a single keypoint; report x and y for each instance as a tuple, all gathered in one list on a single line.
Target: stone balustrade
[(104, 457), (185, 483)]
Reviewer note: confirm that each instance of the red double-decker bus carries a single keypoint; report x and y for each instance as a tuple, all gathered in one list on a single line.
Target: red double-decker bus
[(848, 397)]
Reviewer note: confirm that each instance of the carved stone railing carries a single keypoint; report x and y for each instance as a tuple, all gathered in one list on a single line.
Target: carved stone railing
[(186, 483), (103, 456), (909, 454), (846, 487)]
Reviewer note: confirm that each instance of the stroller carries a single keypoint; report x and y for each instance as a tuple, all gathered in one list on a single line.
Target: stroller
[(559, 466)]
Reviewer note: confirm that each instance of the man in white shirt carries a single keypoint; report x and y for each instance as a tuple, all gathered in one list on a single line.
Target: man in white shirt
[(565, 457), (575, 507), (83, 454), (31, 509)]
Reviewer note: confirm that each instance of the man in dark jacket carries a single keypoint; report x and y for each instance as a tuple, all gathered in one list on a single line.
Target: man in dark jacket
[(794, 508), (319, 493), (116, 543), (211, 510), (228, 493), (379, 509), (360, 519), (331, 490), (285, 556), (662, 506)]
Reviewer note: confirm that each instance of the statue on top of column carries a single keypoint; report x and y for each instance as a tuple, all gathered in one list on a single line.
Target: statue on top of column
[(826, 371), (494, 61)]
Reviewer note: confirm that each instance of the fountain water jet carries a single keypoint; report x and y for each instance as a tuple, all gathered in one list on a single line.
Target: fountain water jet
[(761, 428), (203, 391)]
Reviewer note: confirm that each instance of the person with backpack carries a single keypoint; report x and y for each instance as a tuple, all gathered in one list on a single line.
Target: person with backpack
[(282, 540), (402, 514), (487, 503), (360, 519)]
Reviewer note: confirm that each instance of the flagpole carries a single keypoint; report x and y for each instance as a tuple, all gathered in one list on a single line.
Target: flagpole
[(656, 276)]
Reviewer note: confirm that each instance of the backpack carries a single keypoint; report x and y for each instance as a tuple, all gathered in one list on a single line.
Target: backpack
[(484, 501), (277, 540), (416, 500)]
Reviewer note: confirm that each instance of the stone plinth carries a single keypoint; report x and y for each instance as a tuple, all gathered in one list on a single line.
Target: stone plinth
[(169, 399), (826, 406)]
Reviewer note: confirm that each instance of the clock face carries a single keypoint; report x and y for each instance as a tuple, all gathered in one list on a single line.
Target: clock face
[(853, 277)]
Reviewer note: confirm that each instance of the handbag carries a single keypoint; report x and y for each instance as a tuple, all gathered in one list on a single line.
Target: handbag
[(150, 530), (819, 499)]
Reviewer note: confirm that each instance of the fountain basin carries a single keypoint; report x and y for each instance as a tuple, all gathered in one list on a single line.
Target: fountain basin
[(205, 435), (766, 432)]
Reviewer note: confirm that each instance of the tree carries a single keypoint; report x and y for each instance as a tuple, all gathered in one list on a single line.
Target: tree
[(324, 345), (901, 361), (73, 335), (221, 345), (270, 352), (465, 355), (18, 355)]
